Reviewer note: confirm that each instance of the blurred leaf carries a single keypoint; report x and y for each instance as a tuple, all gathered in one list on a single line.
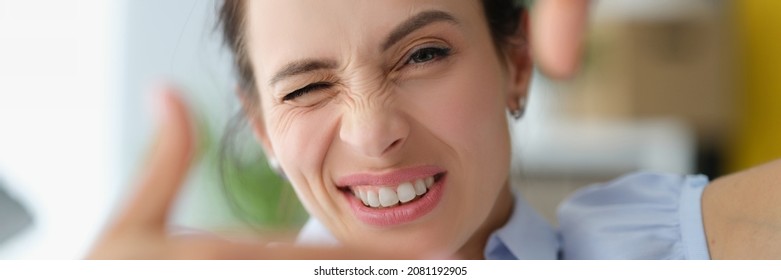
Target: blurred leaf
[(255, 193)]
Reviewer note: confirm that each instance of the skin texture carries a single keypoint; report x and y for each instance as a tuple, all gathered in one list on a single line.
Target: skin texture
[(383, 113), (742, 214)]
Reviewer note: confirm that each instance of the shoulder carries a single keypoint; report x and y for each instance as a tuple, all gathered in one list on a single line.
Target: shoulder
[(742, 214), (637, 216)]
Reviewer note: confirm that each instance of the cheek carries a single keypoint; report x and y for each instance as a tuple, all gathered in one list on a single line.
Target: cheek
[(466, 109), (466, 112), (300, 142)]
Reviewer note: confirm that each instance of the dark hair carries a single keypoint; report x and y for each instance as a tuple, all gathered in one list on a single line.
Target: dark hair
[(502, 16)]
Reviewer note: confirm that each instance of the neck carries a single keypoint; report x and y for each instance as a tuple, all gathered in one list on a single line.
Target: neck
[(500, 213)]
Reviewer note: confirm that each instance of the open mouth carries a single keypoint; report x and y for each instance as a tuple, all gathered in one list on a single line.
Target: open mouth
[(394, 195)]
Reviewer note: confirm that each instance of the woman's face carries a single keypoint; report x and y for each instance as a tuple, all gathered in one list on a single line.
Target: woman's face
[(388, 117)]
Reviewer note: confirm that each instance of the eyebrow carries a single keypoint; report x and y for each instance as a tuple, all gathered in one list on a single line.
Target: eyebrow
[(414, 23), (300, 67)]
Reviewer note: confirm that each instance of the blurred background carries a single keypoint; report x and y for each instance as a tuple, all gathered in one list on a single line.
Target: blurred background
[(684, 86)]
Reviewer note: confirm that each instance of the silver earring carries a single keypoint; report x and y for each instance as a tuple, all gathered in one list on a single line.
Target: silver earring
[(518, 112), (274, 165)]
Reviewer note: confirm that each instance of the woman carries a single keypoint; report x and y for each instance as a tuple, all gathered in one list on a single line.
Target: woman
[(389, 118)]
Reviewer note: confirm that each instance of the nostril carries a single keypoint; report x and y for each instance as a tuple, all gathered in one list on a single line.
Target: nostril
[(393, 145)]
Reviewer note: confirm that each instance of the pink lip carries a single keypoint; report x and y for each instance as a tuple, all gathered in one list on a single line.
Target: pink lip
[(400, 214), (389, 178)]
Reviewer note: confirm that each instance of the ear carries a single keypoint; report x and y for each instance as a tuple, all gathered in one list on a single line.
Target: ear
[(251, 108), (519, 65)]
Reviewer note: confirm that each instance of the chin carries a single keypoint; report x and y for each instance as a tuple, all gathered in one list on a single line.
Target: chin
[(420, 245), (436, 237)]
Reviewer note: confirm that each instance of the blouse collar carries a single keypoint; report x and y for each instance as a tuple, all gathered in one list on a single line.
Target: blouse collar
[(526, 236)]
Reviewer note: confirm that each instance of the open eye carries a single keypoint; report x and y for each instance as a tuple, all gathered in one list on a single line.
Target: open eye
[(304, 90), (427, 54)]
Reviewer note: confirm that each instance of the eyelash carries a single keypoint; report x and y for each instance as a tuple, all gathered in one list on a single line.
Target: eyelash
[(304, 90), (434, 52)]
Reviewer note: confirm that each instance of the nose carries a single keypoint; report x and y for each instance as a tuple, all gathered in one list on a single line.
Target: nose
[(374, 132)]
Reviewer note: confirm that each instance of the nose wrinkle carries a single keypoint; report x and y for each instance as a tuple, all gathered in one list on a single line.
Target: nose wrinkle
[(373, 131)]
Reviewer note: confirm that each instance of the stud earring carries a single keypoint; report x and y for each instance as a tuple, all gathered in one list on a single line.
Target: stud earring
[(274, 165), (518, 112)]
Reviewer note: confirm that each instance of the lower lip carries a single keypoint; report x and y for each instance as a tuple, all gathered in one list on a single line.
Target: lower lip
[(397, 215)]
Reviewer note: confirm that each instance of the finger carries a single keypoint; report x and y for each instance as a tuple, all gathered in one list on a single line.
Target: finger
[(557, 35), (166, 169)]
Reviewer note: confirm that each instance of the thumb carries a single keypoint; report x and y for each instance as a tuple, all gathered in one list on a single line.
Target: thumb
[(166, 169)]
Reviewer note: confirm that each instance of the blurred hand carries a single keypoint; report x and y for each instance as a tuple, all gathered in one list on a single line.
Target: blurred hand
[(557, 28), (139, 232)]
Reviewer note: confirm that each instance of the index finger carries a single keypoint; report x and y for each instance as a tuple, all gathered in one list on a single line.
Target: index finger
[(557, 31), (167, 166)]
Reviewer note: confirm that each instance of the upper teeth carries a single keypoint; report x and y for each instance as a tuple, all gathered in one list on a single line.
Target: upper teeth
[(386, 196)]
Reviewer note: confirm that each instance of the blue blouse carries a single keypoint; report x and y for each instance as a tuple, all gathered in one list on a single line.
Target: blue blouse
[(637, 216)]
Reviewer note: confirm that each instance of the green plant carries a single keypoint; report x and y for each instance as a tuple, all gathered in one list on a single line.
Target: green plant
[(255, 193)]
